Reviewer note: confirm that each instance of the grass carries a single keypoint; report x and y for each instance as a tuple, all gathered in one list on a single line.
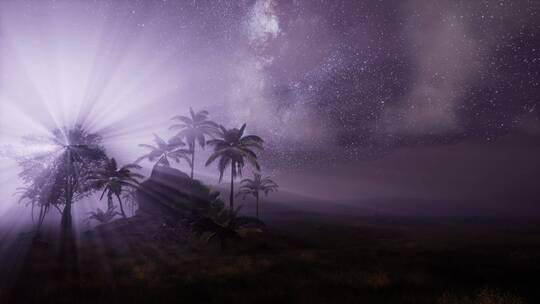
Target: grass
[(298, 264), (485, 296)]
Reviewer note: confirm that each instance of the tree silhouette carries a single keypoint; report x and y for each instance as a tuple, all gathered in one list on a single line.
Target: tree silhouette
[(225, 224), (256, 185), (113, 181), (165, 150), (194, 130), (233, 149), (103, 216), (32, 196), (55, 173)]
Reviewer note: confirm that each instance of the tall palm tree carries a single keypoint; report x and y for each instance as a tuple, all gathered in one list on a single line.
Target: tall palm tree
[(233, 149), (113, 181), (57, 176), (79, 149), (256, 185), (165, 150), (194, 130)]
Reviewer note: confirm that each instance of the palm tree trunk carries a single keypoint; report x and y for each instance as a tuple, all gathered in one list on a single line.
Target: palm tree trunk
[(32, 213), (257, 197), (66, 217), (192, 159), (68, 249), (121, 206), (66, 221), (41, 218), (231, 197)]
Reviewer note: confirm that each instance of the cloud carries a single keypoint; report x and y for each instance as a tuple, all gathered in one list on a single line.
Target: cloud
[(262, 22), (450, 44), (444, 57)]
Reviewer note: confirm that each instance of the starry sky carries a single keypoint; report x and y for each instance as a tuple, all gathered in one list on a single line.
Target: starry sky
[(323, 82)]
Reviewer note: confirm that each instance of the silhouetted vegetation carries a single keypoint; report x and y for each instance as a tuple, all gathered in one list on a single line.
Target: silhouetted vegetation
[(183, 244), (233, 149), (164, 151), (104, 216), (114, 181), (256, 185), (224, 225), (57, 173), (194, 129)]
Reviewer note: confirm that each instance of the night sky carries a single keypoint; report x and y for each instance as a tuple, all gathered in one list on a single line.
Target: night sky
[(325, 83)]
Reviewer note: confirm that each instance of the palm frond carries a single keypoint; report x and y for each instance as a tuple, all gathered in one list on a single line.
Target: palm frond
[(159, 141), (252, 138), (131, 166), (138, 160), (178, 126), (213, 157), (148, 146), (174, 142), (222, 165), (209, 124), (184, 119), (242, 129), (201, 140)]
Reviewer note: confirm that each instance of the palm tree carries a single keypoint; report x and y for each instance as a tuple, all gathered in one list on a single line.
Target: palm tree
[(224, 225), (77, 147), (163, 151), (256, 185), (194, 129), (233, 149), (103, 216), (113, 180), (57, 176), (33, 197)]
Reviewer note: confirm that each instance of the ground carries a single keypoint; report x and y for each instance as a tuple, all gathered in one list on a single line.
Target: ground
[(310, 259)]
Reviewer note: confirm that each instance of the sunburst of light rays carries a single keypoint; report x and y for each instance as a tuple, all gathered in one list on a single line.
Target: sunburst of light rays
[(121, 73), (67, 65)]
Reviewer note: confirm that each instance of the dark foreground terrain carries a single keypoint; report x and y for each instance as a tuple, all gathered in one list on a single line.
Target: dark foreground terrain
[(299, 259)]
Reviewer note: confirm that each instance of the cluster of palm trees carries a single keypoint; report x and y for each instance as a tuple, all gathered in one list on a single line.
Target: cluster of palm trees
[(78, 165), (57, 174), (231, 149)]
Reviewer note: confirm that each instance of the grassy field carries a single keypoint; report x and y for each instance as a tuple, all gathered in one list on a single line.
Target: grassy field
[(308, 260)]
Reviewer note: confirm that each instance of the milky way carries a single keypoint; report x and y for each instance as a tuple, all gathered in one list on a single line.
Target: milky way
[(319, 80)]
